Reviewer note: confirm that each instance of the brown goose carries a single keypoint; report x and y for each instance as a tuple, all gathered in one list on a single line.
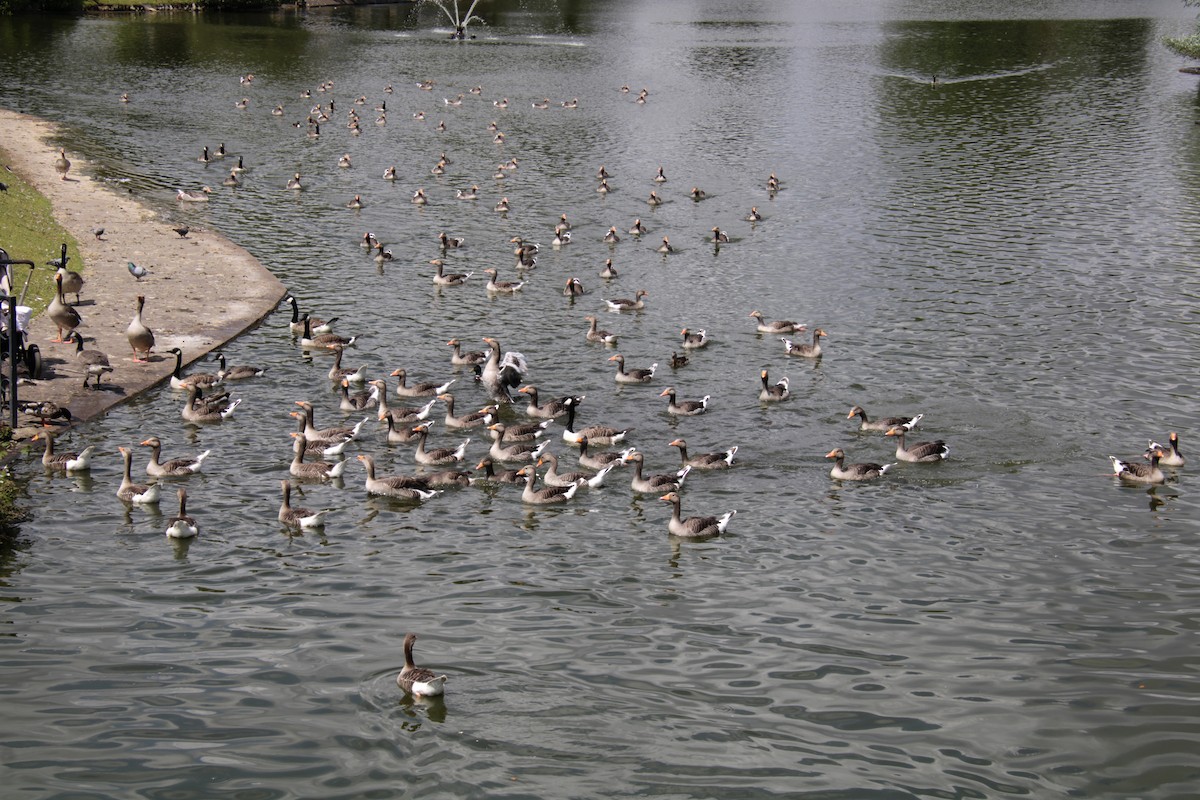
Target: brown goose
[(399, 431), (401, 414), (421, 389), (448, 279), (459, 358), (415, 680), (633, 375), (65, 461), (501, 287), (471, 419), (574, 288), (596, 434), (141, 338), (684, 408), (62, 164), (624, 304), (598, 460), (296, 517), (547, 494), (694, 527), (182, 526), (778, 326), (1138, 472), (176, 467), (555, 478), (609, 272), (132, 492), (595, 334), (883, 424), (359, 401), (1171, 457), (61, 313), (773, 392), (498, 374), (198, 408), (805, 350), (694, 339), (313, 433), (854, 472), (503, 476), (722, 460), (355, 377), (551, 409), (919, 453), (652, 483), (514, 451), (402, 487), (437, 456), (312, 470)]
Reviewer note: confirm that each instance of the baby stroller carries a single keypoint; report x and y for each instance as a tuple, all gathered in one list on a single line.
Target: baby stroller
[(28, 356)]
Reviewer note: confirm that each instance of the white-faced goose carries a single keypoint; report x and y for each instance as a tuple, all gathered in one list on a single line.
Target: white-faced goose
[(95, 363), (176, 467), (805, 350), (501, 287), (416, 680), (633, 375), (182, 526), (555, 478), (312, 470), (1171, 457), (919, 452), (141, 338), (1138, 472), (884, 423), (198, 408), (239, 372), (624, 304), (596, 334), (204, 380), (684, 408), (470, 358), (694, 527), (401, 487), (315, 324), (546, 494), (471, 419), (359, 401), (420, 389), (65, 461), (503, 476), (514, 451), (297, 517), (132, 492), (328, 341), (439, 455), (776, 326), (694, 339), (721, 460), (551, 409), (854, 472), (596, 434), (774, 392), (61, 314), (652, 483)]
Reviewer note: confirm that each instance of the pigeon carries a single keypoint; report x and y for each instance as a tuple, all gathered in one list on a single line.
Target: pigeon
[(182, 230), (137, 272), (98, 233)]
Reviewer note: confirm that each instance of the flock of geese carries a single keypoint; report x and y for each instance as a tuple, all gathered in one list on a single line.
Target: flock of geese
[(517, 423)]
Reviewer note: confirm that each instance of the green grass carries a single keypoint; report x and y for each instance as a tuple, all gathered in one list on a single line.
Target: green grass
[(28, 231)]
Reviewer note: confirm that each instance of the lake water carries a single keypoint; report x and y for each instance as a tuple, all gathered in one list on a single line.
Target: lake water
[(1009, 250)]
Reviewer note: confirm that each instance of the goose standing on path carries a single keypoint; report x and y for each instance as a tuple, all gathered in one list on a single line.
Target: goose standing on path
[(72, 281), (884, 423), (61, 313), (62, 165), (176, 467), (722, 460), (805, 350), (418, 681), (546, 495), (694, 527), (297, 517), (65, 460), (920, 452), (131, 492), (633, 375), (1138, 472), (854, 472), (141, 338), (182, 526), (95, 363)]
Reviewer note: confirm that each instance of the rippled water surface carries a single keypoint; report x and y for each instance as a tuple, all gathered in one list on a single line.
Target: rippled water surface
[(1009, 250)]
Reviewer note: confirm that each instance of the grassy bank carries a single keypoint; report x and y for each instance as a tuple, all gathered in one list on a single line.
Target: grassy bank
[(27, 231)]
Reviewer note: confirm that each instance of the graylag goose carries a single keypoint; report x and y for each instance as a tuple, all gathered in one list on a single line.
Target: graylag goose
[(439, 455), (401, 487), (182, 526), (722, 460), (515, 451), (315, 324), (61, 314), (328, 341), (646, 484), (312, 470), (197, 408), (419, 198), (450, 242), (693, 340), (774, 392), (399, 431), (561, 239), (524, 431), (402, 414), (660, 176), (495, 286), (205, 380), (459, 358), (421, 389), (719, 236), (297, 517), (239, 372), (467, 194), (176, 467), (920, 452), (884, 423), (72, 281), (637, 229), (1171, 457), (62, 165), (65, 461), (499, 374), (503, 476), (315, 434), (1138, 472), (471, 419), (805, 350), (320, 448), (551, 409), (666, 248), (697, 193), (633, 375), (654, 199), (448, 279), (359, 401), (777, 326), (596, 434), (355, 377), (502, 207), (854, 472), (678, 360), (418, 681), (684, 408), (611, 236), (95, 363), (694, 527), (596, 334), (598, 460), (294, 183), (131, 492), (609, 272), (574, 288), (555, 478), (624, 304), (754, 216), (546, 495)]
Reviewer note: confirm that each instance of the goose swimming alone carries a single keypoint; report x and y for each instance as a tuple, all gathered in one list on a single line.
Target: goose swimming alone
[(418, 681)]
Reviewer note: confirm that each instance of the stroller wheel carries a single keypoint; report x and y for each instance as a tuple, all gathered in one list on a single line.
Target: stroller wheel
[(33, 362)]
